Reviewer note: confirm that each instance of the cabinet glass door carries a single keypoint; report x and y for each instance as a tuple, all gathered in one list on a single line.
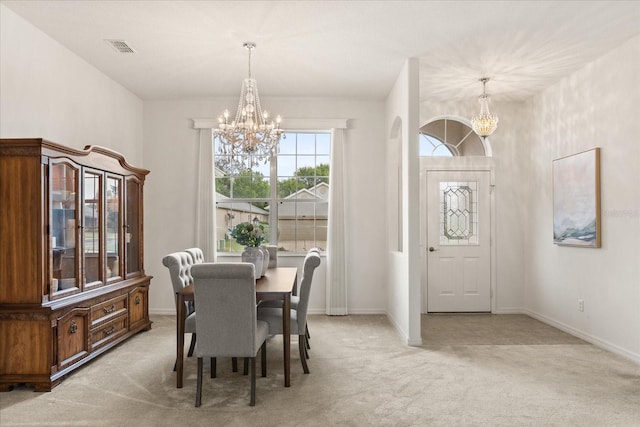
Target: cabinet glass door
[(114, 227), (133, 227), (63, 228), (91, 230)]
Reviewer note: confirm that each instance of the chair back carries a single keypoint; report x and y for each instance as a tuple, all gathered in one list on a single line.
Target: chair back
[(311, 262), (179, 264), (273, 256), (225, 297), (196, 254)]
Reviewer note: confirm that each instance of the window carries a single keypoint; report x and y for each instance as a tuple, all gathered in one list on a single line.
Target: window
[(449, 137), (288, 194), (432, 146)]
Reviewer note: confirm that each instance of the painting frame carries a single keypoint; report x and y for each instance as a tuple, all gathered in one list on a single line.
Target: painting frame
[(576, 200)]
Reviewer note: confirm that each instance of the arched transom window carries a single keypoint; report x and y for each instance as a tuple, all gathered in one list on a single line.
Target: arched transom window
[(448, 138)]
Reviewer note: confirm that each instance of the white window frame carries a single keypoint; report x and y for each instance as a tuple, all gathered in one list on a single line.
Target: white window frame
[(274, 199)]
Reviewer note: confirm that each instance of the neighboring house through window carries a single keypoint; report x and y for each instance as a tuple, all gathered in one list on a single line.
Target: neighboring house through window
[(288, 193)]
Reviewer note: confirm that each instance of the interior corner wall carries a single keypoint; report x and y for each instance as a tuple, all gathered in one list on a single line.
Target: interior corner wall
[(49, 92), (403, 287), (598, 106)]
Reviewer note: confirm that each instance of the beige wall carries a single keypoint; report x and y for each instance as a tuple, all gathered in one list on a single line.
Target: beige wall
[(49, 92), (170, 212), (598, 106)]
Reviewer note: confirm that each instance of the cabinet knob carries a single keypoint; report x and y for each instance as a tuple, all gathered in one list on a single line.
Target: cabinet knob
[(74, 327)]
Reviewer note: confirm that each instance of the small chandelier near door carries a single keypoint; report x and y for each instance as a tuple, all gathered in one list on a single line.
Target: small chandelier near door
[(250, 133), (484, 123)]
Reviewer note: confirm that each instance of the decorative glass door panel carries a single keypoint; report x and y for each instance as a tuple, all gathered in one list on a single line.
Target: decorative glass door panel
[(92, 223), (133, 228), (114, 226), (458, 213), (63, 201)]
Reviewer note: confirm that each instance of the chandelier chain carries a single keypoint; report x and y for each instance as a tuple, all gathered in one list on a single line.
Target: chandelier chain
[(485, 123)]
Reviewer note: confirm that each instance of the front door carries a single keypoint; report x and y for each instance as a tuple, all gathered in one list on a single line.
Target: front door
[(458, 241)]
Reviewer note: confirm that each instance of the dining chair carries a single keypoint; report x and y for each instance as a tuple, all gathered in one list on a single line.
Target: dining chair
[(196, 254), (179, 265), (225, 294), (273, 315), (295, 299)]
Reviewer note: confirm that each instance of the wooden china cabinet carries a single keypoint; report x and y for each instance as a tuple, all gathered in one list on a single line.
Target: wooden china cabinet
[(72, 280)]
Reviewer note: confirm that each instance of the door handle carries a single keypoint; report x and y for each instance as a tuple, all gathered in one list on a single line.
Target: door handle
[(432, 249)]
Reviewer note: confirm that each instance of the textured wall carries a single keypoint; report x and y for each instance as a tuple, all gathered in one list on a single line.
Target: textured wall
[(49, 92), (598, 106)]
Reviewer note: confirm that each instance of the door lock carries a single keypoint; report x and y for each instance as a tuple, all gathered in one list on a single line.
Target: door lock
[(432, 249)]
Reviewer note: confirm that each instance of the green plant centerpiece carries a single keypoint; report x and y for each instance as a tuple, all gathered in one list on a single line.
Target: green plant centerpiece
[(248, 234)]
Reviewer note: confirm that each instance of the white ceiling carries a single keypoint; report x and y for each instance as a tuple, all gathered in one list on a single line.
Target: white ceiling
[(336, 48)]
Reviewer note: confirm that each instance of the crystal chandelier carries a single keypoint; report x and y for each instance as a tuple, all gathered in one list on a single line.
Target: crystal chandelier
[(484, 123), (250, 134)]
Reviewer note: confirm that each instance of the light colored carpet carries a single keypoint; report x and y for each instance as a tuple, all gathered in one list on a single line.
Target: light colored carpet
[(474, 370)]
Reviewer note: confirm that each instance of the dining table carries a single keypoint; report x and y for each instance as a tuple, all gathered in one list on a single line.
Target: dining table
[(278, 283)]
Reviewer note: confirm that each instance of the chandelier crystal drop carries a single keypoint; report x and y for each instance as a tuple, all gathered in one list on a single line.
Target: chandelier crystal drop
[(485, 123), (250, 134)]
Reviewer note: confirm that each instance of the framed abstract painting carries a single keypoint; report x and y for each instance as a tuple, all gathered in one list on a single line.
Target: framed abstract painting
[(576, 199)]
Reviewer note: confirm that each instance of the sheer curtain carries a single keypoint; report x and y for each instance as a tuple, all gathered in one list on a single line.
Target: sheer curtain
[(205, 221), (336, 287)]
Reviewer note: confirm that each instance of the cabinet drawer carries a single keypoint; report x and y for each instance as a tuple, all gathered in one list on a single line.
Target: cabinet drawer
[(109, 331), (105, 311)]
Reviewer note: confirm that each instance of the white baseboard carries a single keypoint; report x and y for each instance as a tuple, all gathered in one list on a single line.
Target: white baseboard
[(172, 312), (585, 336), (368, 311), (398, 329), (162, 312), (509, 310)]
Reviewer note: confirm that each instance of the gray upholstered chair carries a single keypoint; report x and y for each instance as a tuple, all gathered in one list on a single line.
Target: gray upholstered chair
[(225, 294), (179, 265), (196, 254), (273, 315), (295, 299)]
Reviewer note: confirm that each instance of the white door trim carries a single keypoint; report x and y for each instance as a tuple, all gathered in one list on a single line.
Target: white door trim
[(449, 164)]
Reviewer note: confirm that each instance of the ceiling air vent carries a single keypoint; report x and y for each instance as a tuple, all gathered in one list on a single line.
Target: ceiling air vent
[(121, 46)]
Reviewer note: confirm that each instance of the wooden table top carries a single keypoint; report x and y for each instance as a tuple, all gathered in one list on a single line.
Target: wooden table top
[(276, 281)]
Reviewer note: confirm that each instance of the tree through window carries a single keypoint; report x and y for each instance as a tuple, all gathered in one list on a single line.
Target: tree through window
[(288, 194)]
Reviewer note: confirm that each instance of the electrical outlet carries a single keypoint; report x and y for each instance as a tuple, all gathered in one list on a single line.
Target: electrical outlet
[(580, 305)]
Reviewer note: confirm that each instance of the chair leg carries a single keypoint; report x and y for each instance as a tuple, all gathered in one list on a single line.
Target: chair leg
[(213, 367), (263, 360), (192, 346), (253, 382), (199, 383), (301, 347), (308, 337), (234, 364), (246, 366), (306, 351)]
